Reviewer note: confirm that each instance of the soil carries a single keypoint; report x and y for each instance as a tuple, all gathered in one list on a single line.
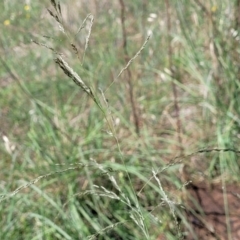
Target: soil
[(212, 212)]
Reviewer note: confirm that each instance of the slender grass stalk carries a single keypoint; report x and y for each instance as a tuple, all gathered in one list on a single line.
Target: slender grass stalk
[(174, 88), (136, 115)]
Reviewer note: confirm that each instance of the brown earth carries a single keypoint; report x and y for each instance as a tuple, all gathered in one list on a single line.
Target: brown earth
[(212, 212)]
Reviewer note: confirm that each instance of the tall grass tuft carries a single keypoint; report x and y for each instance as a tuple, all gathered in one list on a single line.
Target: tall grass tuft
[(78, 181)]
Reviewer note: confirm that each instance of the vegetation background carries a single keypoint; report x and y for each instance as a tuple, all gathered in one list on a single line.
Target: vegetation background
[(180, 94)]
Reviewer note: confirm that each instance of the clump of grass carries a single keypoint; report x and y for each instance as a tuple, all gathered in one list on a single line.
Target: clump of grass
[(138, 216), (114, 184)]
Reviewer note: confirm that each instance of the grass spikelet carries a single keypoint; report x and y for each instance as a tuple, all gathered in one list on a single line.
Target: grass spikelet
[(56, 17), (77, 80), (105, 230), (74, 48), (34, 181), (129, 62), (46, 46), (53, 15), (72, 74), (83, 23), (111, 178), (167, 200), (135, 213), (134, 57), (54, 4), (59, 8), (179, 159), (90, 16)]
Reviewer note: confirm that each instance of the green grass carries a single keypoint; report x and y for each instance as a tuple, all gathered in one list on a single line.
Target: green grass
[(53, 125)]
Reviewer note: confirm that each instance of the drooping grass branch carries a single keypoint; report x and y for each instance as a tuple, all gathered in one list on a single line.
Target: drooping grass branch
[(179, 159)]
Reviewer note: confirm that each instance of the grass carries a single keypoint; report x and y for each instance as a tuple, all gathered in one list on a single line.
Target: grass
[(102, 164)]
